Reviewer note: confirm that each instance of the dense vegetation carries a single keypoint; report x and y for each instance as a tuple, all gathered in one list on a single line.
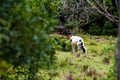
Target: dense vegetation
[(97, 64), (86, 18), (27, 52), (24, 42)]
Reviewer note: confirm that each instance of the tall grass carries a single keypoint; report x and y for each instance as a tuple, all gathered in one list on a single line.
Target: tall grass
[(97, 64)]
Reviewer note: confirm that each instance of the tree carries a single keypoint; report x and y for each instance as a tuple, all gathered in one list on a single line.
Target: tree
[(76, 12), (103, 10), (118, 43), (82, 13), (24, 41)]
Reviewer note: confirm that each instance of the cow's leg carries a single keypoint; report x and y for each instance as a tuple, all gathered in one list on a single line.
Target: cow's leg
[(83, 48), (78, 47), (73, 48)]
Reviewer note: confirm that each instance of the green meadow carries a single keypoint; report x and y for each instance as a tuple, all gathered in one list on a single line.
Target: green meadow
[(97, 64)]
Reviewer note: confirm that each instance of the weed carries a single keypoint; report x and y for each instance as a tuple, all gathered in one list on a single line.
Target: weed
[(70, 77), (93, 42), (84, 68), (106, 60), (90, 72)]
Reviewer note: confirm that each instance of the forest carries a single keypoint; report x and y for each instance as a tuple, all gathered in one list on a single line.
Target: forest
[(35, 39)]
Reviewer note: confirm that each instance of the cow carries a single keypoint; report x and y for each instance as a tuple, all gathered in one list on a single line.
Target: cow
[(77, 41)]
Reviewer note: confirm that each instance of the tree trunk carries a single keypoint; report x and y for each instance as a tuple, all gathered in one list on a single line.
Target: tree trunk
[(118, 54), (118, 43)]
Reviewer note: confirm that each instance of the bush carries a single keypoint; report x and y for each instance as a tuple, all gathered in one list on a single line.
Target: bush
[(60, 43), (25, 26), (94, 29), (109, 29), (106, 28)]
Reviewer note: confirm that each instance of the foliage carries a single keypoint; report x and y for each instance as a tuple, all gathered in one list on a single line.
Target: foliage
[(74, 12), (28, 53), (60, 43), (24, 35), (78, 13), (97, 64), (112, 72), (109, 29), (94, 29)]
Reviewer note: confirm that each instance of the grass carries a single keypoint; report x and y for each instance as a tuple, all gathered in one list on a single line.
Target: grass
[(95, 65)]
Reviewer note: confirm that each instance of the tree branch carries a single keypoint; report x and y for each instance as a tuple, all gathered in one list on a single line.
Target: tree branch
[(103, 11)]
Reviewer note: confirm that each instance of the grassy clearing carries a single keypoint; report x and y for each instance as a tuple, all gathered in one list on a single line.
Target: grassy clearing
[(95, 65)]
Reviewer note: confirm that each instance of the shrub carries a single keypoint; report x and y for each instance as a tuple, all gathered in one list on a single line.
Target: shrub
[(60, 43), (94, 29), (25, 26), (106, 28), (109, 29)]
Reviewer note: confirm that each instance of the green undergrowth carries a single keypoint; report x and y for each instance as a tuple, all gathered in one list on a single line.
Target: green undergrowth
[(97, 64)]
